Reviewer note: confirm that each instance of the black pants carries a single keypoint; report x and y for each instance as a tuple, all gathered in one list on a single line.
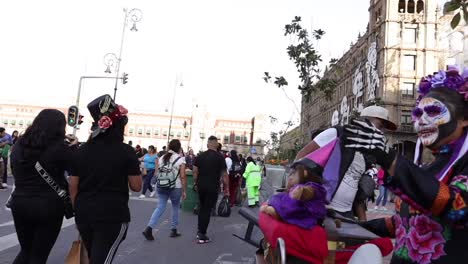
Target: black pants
[(102, 240), (207, 202), (5, 169), (38, 221)]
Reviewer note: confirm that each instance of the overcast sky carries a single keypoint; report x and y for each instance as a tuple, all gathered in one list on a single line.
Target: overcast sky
[(220, 49)]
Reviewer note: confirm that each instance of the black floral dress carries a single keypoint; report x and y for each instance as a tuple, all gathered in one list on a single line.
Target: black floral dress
[(430, 224)]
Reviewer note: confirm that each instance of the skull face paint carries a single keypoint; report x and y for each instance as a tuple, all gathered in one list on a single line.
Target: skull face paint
[(432, 121)]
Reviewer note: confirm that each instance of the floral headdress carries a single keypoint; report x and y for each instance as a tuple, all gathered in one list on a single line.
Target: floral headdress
[(450, 79), (105, 113)]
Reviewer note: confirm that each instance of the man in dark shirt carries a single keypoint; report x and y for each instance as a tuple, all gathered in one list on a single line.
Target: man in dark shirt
[(207, 170)]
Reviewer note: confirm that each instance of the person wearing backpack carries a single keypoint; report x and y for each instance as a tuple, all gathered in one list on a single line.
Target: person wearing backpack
[(171, 184), (234, 166)]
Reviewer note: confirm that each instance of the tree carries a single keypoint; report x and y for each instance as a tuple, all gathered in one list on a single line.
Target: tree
[(457, 5), (306, 59)]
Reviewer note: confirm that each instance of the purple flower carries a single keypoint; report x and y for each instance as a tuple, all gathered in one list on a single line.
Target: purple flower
[(425, 241), (453, 80), (425, 85), (464, 90), (438, 79), (400, 232)]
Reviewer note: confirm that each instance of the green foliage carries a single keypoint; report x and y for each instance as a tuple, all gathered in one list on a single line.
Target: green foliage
[(306, 59), (457, 5)]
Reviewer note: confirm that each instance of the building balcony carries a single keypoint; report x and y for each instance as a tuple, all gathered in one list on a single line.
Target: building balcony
[(406, 128)]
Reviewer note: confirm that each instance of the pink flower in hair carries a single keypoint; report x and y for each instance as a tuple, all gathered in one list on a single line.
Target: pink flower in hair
[(105, 122), (123, 111)]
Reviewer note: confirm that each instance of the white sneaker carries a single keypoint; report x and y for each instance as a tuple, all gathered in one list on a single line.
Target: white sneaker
[(384, 208), (152, 194), (142, 196), (376, 208), (5, 185)]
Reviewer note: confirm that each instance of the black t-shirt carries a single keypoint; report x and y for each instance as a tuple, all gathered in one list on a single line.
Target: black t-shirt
[(103, 168), (210, 166), (55, 159)]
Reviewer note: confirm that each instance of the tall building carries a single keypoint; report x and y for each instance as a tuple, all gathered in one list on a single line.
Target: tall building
[(400, 45)]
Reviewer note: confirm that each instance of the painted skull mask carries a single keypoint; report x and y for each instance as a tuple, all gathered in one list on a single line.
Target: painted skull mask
[(432, 121)]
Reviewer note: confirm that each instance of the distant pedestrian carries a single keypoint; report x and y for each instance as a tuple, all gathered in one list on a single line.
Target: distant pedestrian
[(253, 178), (14, 136), (150, 160), (235, 175), (162, 152), (382, 191), (37, 209), (207, 170), (139, 151), (171, 163), (105, 168), (189, 159), (6, 141)]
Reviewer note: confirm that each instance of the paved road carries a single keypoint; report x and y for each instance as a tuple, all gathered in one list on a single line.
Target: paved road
[(225, 249)]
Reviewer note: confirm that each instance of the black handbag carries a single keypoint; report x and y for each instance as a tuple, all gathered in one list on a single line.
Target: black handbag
[(63, 194), (224, 210)]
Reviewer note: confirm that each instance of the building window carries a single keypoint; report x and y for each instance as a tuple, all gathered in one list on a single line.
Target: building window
[(179, 134), (165, 133), (131, 131), (172, 133), (148, 131), (13, 122), (401, 6), (409, 62), (411, 6), (187, 134), (420, 6), (406, 118), (245, 140), (259, 141), (5, 122), (156, 132), (409, 35), (140, 131), (29, 122), (21, 123), (408, 90), (238, 139), (226, 139)]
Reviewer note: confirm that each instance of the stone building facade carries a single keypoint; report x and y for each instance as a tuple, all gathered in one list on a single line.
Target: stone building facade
[(400, 45)]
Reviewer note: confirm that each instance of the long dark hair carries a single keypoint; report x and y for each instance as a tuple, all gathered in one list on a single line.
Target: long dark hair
[(234, 156), (47, 128), (175, 146)]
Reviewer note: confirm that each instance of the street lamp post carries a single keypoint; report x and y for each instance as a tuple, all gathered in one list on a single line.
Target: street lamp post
[(172, 110), (111, 59)]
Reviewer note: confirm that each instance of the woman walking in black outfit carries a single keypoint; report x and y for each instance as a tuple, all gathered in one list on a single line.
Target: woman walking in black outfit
[(37, 209), (105, 167)]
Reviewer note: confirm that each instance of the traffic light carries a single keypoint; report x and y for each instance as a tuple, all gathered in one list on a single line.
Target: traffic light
[(72, 117), (125, 78), (80, 119)]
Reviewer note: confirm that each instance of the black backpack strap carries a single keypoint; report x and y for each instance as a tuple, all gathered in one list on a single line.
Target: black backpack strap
[(173, 163)]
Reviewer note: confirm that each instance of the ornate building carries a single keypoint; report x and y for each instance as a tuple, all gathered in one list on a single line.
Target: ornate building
[(400, 45), (144, 128)]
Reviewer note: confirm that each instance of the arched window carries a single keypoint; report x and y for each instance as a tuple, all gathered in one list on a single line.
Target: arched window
[(401, 6), (411, 6), (420, 6)]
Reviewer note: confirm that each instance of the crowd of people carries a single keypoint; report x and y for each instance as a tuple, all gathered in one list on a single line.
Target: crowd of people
[(55, 176)]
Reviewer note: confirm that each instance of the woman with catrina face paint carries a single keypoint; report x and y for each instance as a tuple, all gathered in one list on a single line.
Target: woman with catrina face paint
[(431, 220)]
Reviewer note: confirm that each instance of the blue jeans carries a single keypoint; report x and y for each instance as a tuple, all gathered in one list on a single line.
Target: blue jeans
[(164, 195), (382, 194), (147, 183)]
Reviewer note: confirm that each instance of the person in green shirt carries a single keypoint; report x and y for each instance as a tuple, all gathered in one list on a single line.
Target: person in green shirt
[(253, 179)]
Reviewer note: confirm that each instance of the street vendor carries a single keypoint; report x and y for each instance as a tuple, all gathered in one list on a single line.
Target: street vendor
[(431, 220)]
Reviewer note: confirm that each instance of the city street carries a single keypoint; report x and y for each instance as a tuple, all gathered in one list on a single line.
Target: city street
[(224, 248)]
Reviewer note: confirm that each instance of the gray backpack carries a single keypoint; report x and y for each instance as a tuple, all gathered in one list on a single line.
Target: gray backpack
[(168, 175)]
